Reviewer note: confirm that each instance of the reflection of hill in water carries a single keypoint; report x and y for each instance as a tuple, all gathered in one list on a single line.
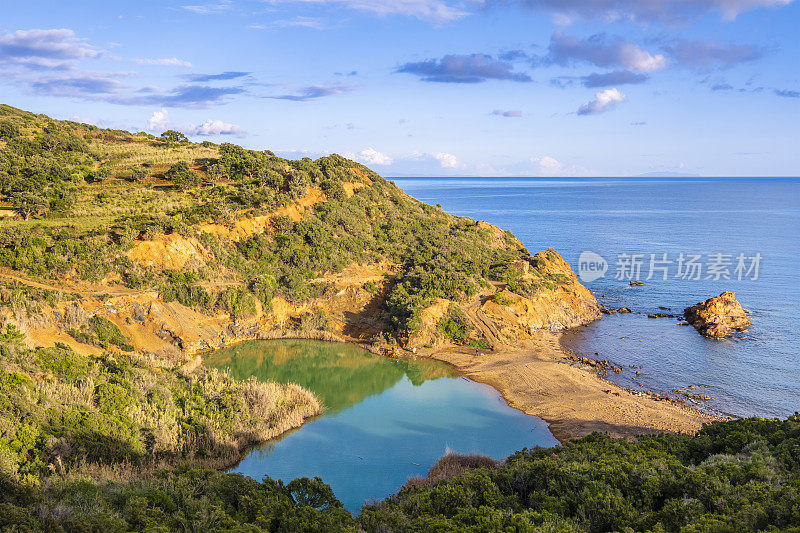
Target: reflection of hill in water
[(341, 375)]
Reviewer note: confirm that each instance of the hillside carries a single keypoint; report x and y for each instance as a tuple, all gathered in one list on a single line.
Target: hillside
[(186, 246), (122, 256)]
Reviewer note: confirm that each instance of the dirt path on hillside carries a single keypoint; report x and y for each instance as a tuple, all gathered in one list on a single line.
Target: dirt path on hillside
[(96, 290), (533, 377), (476, 316)]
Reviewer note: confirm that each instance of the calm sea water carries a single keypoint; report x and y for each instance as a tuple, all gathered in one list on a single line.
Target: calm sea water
[(758, 375), (385, 420)]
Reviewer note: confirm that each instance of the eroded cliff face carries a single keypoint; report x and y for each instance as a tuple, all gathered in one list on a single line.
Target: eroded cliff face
[(350, 302), (554, 300), (175, 332)]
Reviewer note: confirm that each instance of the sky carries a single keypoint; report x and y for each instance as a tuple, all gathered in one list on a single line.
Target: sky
[(430, 87)]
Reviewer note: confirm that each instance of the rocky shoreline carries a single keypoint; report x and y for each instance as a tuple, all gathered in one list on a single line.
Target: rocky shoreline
[(536, 377)]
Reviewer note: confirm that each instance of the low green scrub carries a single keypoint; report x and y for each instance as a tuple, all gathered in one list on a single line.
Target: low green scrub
[(185, 500), (732, 476), (501, 299), (100, 331), (455, 325), (66, 413), (90, 203)]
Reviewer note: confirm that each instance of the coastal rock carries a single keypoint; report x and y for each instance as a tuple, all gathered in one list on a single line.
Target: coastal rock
[(552, 299), (624, 310), (555, 300), (718, 316)]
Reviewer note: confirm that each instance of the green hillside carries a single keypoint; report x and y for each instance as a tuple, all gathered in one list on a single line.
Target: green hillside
[(78, 198)]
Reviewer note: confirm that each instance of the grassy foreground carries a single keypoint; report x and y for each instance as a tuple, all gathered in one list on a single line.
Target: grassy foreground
[(731, 477), (121, 416)]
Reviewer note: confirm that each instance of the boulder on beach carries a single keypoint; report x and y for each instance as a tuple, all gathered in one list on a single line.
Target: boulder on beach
[(718, 316)]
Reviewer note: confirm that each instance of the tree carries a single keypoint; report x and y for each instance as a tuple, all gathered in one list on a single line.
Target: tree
[(182, 176), (28, 203), (8, 130), (172, 136)]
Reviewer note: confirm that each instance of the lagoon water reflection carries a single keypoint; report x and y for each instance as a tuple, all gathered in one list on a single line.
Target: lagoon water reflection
[(386, 420)]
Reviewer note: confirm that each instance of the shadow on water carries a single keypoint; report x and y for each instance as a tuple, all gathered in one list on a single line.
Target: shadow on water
[(341, 375)]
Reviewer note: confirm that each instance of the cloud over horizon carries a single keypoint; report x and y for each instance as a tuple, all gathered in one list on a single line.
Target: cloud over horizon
[(216, 127), (603, 101), (643, 11), (312, 92), (370, 156), (159, 121), (55, 48), (603, 51), (454, 68)]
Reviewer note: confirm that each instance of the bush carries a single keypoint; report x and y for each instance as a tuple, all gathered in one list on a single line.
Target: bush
[(182, 176), (316, 321), (455, 325), (501, 299), (732, 476)]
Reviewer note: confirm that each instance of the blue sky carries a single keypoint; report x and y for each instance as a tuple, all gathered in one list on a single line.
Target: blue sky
[(430, 87)]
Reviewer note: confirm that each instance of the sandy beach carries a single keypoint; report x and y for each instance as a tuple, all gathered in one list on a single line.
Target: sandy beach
[(532, 375)]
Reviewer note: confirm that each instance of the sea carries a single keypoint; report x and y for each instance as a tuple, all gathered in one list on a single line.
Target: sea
[(686, 239)]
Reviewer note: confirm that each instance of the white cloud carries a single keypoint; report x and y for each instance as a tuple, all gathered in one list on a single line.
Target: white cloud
[(159, 121), (511, 113), (167, 62), (370, 156), (603, 101), (44, 48), (296, 22), (437, 11), (447, 160), (603, 51), (634, 58), (216, 127), (213, 8), (643, 11), (550, 166)]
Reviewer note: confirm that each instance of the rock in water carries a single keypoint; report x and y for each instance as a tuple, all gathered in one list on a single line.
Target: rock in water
[(718, 316)]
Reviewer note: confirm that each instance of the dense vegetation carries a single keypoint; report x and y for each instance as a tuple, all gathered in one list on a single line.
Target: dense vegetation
[(67, 414), (733, 476), (85, 196)]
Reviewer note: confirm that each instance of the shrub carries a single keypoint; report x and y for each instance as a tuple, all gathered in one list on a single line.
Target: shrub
[(100, 331), (455, 325), (501, 299), (182, 176)]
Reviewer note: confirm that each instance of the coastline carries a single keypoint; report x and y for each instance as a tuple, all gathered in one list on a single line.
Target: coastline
[(532, 376), (535, 377)]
